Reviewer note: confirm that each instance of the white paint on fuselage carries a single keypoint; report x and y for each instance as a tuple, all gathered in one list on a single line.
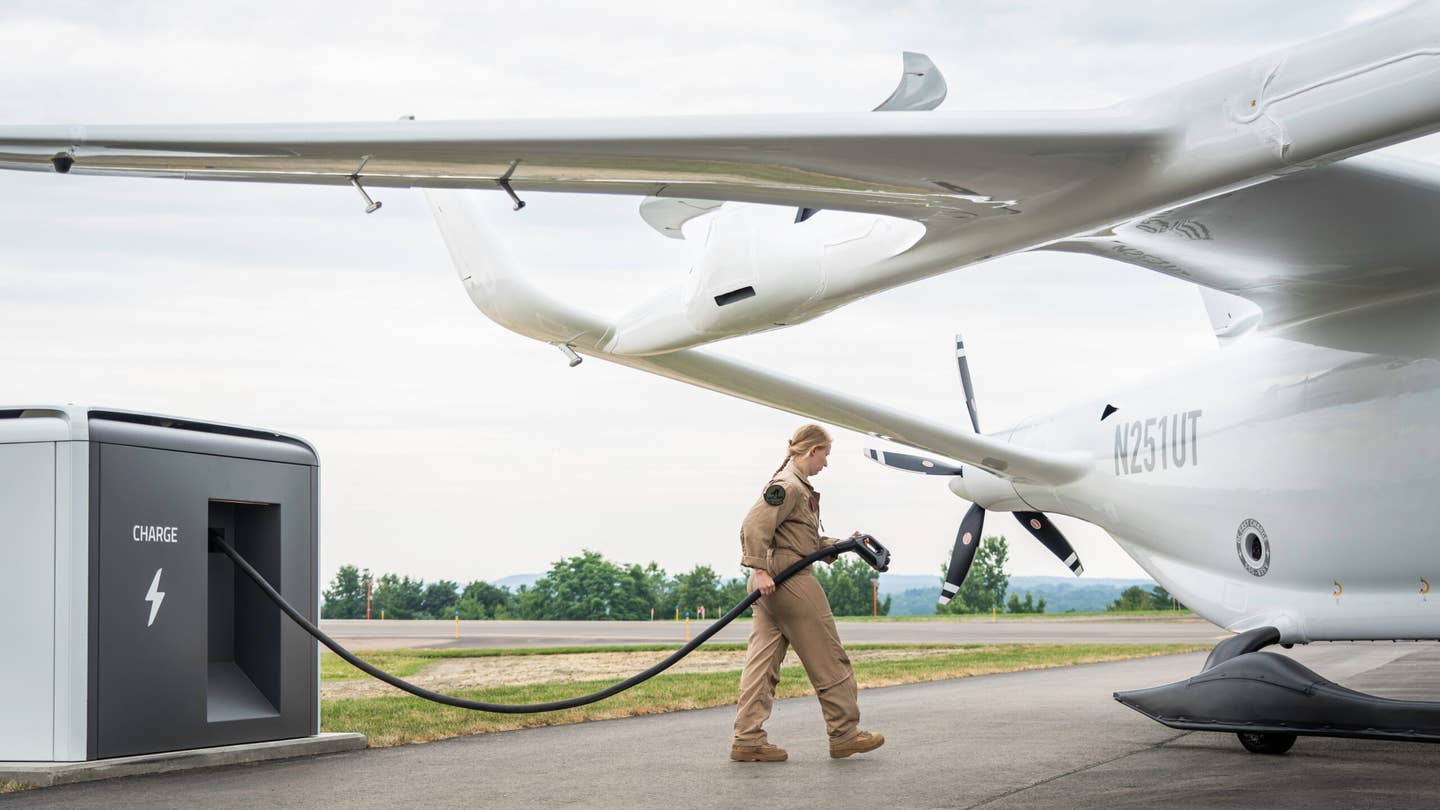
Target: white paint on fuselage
[(1334, 451)]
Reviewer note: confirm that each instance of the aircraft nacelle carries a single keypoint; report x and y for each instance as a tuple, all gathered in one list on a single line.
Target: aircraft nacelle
[(988, 490), (760, 269)]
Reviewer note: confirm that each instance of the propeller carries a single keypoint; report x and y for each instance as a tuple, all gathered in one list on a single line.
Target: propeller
[(1050, 537), (916, 464), (964, 365), (967, 539), (967, 542)]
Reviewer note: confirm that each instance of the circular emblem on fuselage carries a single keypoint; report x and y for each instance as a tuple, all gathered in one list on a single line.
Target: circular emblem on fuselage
[(1253, 547)]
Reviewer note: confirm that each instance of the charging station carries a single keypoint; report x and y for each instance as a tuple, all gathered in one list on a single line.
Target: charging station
[(126, 632)]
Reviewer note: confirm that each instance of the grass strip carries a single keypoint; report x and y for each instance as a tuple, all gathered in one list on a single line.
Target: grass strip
[(404, 663), (13, 787), (389, 721), (1177, 615)]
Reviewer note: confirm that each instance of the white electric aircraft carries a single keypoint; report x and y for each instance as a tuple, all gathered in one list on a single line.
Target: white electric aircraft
[(1285, 489)]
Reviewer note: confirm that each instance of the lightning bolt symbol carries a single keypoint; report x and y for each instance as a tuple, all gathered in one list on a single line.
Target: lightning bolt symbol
[(154, 596)]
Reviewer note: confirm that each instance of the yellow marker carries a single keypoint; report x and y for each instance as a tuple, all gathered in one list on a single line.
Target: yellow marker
[(457, 626), (687, 625), (382, 614)]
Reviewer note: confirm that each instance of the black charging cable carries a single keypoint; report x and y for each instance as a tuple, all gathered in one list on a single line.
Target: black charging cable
[(866, 547)]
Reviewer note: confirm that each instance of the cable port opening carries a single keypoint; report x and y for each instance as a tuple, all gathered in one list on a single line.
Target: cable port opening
[(244, 625)]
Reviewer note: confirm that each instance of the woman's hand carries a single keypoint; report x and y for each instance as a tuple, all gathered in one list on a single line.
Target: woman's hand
[(764, 582)]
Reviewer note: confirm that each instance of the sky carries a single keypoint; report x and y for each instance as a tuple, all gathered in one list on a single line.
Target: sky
[(453, 449)]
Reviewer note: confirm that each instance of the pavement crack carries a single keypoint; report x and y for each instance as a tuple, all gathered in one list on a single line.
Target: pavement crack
[(1007, 794)]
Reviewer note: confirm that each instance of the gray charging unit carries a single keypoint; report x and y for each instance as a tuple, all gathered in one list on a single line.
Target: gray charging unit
[(124, 633)]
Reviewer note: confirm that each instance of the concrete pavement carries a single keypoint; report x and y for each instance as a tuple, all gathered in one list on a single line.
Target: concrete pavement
[(1052, 738)]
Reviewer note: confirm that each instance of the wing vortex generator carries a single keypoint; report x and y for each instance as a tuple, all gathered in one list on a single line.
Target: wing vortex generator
[(156, 557)]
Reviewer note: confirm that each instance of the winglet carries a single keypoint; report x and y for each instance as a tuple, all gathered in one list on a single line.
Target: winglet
[(921, 87), (668, 215)]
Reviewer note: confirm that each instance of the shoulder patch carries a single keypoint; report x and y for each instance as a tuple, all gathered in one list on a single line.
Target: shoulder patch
[(774, 494)]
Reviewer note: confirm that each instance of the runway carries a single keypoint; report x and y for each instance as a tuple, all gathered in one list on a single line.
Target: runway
[(376, 635), (1051, 738)]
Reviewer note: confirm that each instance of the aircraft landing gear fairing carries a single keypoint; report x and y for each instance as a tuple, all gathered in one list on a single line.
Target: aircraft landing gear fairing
[(1268, 700)]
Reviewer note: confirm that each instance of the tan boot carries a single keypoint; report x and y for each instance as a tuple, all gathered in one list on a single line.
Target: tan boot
[(764, 752), (859, 744)]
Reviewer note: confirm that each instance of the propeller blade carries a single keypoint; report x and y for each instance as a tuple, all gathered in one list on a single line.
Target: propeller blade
[(916, 464), (967, 542), (1049, 536), (964, 364)]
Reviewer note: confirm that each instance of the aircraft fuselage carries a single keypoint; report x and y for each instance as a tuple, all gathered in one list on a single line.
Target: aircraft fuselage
[(1277, 482)]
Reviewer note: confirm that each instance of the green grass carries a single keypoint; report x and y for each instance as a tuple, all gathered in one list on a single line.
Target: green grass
[(399, 720), (404, 663), (1010, 617)]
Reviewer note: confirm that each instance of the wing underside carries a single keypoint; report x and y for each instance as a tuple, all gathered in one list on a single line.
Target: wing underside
[(1333, 239), (919, 165)]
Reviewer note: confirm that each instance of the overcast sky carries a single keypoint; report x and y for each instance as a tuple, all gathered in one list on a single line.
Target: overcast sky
[(452, 448)]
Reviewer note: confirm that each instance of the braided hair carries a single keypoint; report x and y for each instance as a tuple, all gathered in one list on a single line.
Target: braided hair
[(806, 438)]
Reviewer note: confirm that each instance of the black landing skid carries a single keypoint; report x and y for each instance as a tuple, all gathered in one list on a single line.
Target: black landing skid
[(1268, 700)]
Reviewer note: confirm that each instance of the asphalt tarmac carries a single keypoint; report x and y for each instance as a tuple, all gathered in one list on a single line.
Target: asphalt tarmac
[(376, 635), (1051, 738)]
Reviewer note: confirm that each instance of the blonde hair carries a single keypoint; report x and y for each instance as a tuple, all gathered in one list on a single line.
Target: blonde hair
[(806, 438)]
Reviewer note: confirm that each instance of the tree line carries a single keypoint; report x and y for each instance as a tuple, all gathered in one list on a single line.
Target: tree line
[(586, 586), (986, 585), (984, 588), (1137, 598)]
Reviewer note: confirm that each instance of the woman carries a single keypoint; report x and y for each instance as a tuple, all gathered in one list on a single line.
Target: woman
[(782, 527)]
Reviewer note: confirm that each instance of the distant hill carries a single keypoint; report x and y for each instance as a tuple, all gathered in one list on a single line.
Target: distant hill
[(915, 595), (514, 581), (891, 584)]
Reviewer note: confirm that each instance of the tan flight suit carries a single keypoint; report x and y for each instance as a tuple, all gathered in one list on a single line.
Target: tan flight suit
[(773, 536)]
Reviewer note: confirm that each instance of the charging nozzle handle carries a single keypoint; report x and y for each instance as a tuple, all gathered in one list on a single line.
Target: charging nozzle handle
[(867, 548)]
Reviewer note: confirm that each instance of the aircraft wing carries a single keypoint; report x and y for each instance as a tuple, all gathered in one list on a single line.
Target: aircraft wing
[(1335, 238), (983, 184), (501, 291), (919, 165)]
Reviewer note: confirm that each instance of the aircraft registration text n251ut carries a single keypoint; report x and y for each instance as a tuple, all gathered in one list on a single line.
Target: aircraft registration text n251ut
[(1157, 443)]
